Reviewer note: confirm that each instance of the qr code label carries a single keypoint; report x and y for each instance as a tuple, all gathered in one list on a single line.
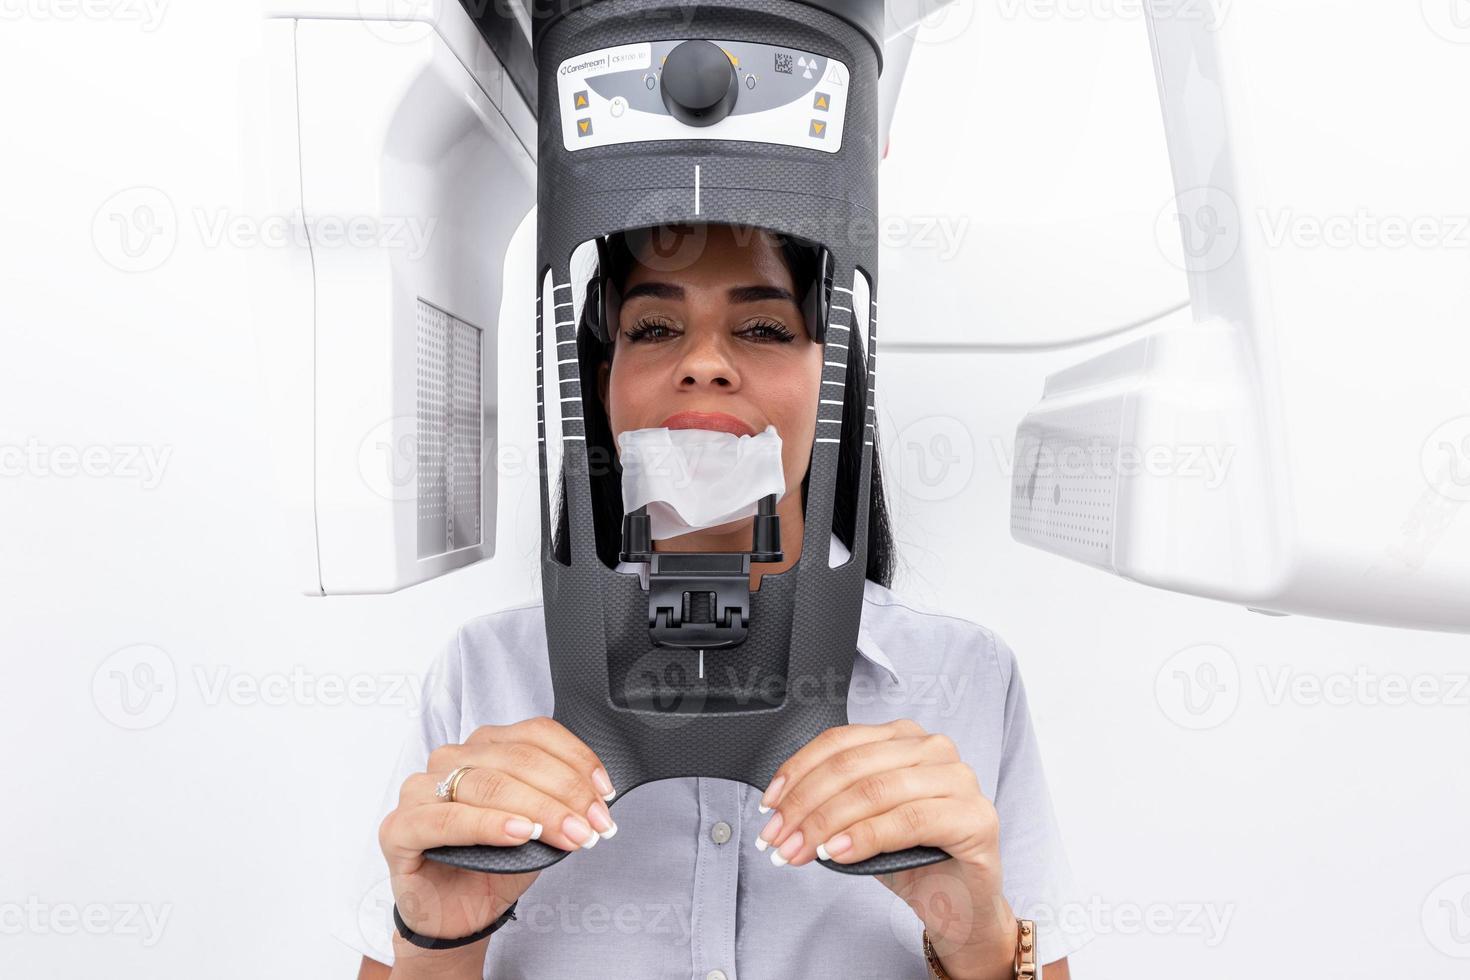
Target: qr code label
[(783, 63)]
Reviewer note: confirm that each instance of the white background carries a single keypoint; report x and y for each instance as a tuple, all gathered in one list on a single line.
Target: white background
[(1329, 837)]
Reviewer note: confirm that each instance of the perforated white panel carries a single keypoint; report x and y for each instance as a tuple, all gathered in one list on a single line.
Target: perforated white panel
[(1064, 482), (449, 488)]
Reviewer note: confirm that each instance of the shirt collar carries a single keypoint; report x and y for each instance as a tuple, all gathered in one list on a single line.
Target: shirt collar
[(867, 646)]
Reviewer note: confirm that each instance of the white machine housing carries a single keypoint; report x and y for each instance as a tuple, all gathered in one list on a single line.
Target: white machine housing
[(1301, 443), (404, 153)]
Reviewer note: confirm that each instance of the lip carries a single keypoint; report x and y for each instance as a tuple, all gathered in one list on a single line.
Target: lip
[(715, 421)]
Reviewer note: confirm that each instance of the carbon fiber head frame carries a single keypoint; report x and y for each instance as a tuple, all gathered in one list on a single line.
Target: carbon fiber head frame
[(641, 705)]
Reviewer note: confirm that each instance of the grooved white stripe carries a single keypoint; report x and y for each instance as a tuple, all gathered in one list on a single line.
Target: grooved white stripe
[(829, 440), (834, 364), (829, 401)]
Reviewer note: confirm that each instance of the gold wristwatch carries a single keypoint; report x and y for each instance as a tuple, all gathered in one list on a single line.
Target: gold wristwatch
[(1025, 967)]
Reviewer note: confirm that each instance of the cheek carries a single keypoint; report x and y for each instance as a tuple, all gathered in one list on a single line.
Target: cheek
[(622, 399), (797, 422)]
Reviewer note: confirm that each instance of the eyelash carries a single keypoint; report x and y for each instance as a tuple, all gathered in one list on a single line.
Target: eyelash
[(775, 331)]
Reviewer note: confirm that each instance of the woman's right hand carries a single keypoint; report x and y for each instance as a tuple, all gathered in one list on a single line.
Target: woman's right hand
[(531, 780)]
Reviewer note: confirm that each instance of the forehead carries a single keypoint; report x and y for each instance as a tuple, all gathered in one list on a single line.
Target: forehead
[(709, 255)]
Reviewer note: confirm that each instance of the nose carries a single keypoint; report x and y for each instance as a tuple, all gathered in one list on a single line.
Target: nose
[(706, 360)]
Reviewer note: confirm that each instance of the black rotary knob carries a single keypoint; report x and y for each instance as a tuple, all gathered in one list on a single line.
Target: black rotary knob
[(699, 83)]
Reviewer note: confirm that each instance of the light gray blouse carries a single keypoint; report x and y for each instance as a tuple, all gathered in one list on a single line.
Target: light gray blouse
[(680, 892)]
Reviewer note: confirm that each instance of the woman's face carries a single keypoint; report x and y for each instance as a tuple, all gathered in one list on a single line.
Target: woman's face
[(717, 342)]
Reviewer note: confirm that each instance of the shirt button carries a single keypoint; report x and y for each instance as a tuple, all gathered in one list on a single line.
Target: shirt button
[(719, 833), (715, 975)]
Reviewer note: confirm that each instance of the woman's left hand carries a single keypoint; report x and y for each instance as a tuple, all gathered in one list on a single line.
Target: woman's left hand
[(861, 790)]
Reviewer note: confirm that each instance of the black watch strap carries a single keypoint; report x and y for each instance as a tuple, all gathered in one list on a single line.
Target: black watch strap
[(430, 942)]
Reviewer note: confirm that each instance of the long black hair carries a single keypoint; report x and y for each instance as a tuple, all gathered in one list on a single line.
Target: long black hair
[(605, 475)]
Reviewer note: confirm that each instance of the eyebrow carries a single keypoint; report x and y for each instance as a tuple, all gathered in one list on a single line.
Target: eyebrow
[(736, 294)]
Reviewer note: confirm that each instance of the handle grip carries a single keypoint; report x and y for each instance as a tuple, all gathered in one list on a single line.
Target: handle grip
[(909, 857), (533, 855)]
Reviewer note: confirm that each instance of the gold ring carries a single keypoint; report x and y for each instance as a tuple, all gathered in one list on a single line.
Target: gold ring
[(450, 783)]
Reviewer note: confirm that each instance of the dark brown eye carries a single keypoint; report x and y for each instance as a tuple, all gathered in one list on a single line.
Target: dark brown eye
[(768, 330), (654, 328)]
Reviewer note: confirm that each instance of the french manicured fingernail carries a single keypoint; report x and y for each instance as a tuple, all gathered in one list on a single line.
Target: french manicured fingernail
[(576, 828), (772, 794), (603, 784), (768, 832), (836, 845), (602, 819), (519, 827), (536, 833), (787, 850)]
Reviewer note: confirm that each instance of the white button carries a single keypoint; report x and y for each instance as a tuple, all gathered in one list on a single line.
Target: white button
[(618, 106), (719, 833), (715, 975)]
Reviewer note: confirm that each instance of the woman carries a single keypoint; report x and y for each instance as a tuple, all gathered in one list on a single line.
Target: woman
[(708, 878)]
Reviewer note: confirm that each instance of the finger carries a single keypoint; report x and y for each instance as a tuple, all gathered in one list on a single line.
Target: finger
[(496, 789), (956, 825), (555, 738), (531, 764), (873, 796), (406, 833), (810, 755), (844, 768)]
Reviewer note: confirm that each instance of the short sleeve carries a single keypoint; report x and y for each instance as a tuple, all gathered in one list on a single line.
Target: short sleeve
[(363, 919), (1038, 877)]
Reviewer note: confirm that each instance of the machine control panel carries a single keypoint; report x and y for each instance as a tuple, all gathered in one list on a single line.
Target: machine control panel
[(702, 89)]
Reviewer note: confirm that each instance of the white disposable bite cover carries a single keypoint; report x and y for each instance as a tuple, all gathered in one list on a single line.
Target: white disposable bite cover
[(692, 479)]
